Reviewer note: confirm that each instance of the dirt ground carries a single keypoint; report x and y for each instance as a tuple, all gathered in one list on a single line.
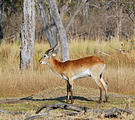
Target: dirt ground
[(22, 108)]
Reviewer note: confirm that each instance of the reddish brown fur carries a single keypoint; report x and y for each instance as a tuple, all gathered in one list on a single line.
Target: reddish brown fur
[(72, 67)]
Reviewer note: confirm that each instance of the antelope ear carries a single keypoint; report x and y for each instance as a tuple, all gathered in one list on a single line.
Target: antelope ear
[(54, 54)]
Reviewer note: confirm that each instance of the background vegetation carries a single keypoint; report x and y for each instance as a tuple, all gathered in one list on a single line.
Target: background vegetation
[(104, 28), (119, 72), (98, 19)]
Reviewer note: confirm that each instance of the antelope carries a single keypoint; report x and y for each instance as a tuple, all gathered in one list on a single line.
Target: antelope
[(70, 70)]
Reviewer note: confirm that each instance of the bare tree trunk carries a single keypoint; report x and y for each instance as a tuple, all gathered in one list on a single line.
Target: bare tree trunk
[(50, 30), (119, 23), (62, 32), (27, 35), (1, 29), (85, 13), (134, 29)]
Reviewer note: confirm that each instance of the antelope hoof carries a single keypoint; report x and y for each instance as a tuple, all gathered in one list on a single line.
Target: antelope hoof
[(106, 99), (100, 101), (67, 101), (72, 101)]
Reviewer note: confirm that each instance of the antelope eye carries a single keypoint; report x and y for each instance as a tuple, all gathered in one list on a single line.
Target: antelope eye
[(45, 56)]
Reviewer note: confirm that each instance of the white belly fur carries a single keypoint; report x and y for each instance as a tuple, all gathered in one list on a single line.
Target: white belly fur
[(79, 75), (82, 74)]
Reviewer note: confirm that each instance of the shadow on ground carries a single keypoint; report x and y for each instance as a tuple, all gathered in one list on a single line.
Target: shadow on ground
[(60, 99)]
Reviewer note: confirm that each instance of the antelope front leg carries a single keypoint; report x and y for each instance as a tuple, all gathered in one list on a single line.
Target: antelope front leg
[(68, 90), (71, 90), (72, 101)]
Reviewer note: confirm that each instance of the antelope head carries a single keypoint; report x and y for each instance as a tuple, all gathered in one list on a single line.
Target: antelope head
[(48, 54)]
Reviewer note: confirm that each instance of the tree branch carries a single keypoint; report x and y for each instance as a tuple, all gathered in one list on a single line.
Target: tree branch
[(64, 9), (75, 13)]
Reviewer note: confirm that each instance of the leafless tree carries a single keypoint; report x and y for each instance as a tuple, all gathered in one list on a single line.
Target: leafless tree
[(50, 29), (1, 30), (27, 35), (61, 29)]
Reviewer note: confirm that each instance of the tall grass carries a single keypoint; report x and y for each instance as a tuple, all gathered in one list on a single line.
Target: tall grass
[(119, 72)]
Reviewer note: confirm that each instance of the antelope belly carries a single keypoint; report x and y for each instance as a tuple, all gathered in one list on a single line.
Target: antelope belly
[(81, 75)]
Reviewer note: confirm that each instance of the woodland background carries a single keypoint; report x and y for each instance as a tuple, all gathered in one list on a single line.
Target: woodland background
[(105, 28), (98, 19)]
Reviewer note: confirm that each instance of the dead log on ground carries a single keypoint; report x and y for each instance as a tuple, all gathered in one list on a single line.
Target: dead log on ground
[(39, 115), (110, 113)]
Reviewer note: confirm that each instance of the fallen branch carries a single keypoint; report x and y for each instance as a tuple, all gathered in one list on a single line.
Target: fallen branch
[(39, 115), (10, 101), (15, 100), (107, 113), (62, 106), (9, 112), (114, 111)]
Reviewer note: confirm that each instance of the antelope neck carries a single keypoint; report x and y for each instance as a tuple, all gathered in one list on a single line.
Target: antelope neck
[(54, 63)]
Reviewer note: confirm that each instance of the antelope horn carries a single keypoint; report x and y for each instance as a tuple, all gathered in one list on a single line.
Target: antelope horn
[(50, 49)]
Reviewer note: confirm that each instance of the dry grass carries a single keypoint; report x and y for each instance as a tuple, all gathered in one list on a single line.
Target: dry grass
[(57, 115), (22, 84), (120, 79), (119, 72)]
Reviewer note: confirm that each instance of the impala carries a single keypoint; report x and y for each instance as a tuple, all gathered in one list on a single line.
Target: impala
[(70, 70)]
